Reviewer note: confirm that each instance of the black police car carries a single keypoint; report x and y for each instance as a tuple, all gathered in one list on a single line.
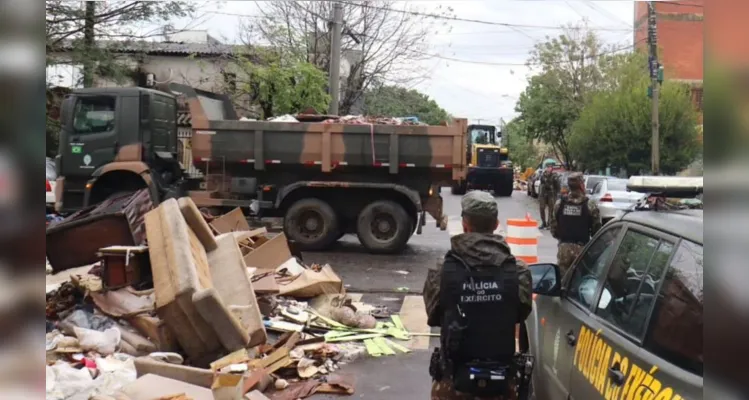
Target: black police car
[(626, 321)]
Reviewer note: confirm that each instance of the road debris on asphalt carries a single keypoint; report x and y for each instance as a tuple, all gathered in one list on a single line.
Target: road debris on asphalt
[(201, 308)]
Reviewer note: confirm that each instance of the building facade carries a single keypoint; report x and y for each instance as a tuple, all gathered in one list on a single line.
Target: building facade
[(680, 41)]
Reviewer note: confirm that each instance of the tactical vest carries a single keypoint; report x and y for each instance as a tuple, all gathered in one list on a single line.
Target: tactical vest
[(573, 222), (484, 300)]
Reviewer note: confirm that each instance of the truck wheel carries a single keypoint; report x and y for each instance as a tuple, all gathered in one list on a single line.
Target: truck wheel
[(311, 224), (384, 227)]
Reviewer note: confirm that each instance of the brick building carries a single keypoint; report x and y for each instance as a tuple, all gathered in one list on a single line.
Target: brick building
[(680, 41)]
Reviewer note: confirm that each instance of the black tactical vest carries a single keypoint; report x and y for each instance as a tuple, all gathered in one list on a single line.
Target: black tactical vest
[(484, 299), (573, 222)]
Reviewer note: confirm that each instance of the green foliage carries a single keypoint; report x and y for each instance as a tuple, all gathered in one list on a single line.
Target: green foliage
[(522, 151), (555, 97), (285, 86), (396, 101), (614, 130)]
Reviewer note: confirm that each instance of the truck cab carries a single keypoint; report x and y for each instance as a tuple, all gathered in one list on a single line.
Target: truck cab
[(115, 140)]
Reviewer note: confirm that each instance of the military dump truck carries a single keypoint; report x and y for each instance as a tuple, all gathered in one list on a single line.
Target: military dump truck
[(489, 167), (325, 179)]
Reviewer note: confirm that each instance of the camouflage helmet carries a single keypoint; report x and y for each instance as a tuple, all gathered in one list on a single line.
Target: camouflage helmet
[(574, 180), (479, 204)]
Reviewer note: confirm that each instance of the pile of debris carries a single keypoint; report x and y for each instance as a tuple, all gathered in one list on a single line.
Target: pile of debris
[(373, 120), (191, 307)]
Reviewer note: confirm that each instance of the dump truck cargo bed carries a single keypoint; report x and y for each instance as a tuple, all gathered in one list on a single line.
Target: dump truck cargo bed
[(332, 146)]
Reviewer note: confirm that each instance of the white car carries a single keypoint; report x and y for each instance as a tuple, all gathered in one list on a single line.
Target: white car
[(611, 197), (51, 178)]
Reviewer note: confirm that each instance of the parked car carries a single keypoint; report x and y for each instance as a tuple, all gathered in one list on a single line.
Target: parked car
[(532, 186), (630, 309), (612, 197), (592, 180), (51, 178)]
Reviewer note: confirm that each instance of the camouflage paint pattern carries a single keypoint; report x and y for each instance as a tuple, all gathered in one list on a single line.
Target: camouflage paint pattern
[(436, 151), (444, 390)]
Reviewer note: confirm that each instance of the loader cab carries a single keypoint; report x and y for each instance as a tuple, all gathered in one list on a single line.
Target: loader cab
[(133, 128), (485, 147)]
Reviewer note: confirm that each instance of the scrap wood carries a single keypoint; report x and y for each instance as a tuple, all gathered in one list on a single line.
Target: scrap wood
[(379, 342), (181, 396), (288, 341), (337, 384), (398, 347), (354, 337), (283, 326), (372, 348), (240, 356)]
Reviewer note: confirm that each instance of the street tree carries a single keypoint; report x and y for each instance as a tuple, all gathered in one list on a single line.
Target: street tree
[(397, 101), (77, 26), (522, 151), (281, 85), (382, 41), (555, 97), (614, 129)]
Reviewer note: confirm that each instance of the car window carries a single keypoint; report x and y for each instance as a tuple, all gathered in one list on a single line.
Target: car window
[(598, 188), (593, 182), (618, 185), (94, 115), (633, 280), (588, 272), (679, 309)]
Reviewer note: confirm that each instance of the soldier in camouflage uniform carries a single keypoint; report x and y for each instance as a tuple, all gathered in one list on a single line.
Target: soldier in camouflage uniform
[(478, 246), (574, 221), (549, 187)]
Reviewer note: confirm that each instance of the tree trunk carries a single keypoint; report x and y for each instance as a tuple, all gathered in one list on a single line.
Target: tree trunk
[(89, 43)]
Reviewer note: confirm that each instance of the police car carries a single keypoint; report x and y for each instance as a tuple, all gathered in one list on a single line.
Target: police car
[(626, 320)]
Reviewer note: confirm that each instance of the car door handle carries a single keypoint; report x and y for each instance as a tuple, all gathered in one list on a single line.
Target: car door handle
[(616, 375), (571, 339)]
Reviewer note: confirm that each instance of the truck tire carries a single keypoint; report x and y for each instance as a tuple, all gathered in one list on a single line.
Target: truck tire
[(459, 189), (384, 227), (311, 224), (502, 191)]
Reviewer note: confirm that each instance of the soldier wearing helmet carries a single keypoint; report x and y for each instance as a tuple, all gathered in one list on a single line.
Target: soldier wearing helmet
[(575, 219)]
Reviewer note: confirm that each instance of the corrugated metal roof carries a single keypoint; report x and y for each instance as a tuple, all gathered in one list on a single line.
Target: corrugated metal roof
[(167, 48)]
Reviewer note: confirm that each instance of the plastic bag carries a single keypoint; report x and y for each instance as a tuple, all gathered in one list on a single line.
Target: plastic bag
[(88, 320), (67, 381), (104, 343)]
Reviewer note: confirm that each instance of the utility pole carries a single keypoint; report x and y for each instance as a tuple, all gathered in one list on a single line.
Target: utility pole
[(89, 25), (655, 71), (334, 82)]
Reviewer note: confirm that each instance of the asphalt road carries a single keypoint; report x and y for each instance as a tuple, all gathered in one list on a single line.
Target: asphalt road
[(397, 281), (367, 273)]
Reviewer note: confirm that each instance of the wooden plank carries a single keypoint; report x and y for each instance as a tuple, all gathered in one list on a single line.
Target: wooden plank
[(414, 317)]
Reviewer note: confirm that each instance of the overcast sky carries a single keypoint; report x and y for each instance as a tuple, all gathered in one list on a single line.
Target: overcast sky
[(473, 87), (477, 71)]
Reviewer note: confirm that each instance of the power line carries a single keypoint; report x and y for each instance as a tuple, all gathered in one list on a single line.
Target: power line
[(476, 21), (613, 51)]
